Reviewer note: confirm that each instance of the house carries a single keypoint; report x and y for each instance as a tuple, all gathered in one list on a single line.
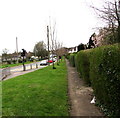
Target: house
[(73, 49)]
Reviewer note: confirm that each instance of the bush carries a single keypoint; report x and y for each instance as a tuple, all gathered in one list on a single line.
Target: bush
[(8, 62), (100, 67), (81, 47), (67, 56), (82, 64), (105, 77), (14, 61), (72, 59), (20, 61)]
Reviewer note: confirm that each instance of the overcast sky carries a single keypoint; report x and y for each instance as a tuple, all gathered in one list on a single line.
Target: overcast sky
[(28, 19)]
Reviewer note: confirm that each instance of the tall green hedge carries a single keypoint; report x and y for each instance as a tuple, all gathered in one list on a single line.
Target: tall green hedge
[(105, 77), (100, 67), (72, 59), (67, 56), (82, 64)]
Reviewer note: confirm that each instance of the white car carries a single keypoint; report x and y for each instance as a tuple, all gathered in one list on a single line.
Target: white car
[(44, 62), (53, 59)]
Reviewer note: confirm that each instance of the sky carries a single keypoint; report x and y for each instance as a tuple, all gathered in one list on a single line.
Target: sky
[(28, 19)]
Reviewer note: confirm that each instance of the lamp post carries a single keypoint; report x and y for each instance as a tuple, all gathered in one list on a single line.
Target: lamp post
[(48, 43), (17, 48)]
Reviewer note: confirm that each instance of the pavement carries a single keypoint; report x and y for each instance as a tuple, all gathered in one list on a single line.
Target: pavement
[(18, 70), (80, 96)]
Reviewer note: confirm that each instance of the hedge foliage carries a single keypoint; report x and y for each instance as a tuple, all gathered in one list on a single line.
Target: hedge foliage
[(82, 64), (100, 67), (67, 56), (105, 77), (72, 59)]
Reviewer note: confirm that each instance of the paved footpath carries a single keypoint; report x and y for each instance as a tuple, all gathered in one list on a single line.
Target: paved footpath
[(80, 95), (17, 73)]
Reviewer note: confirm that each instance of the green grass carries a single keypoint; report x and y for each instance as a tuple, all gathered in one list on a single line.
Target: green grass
[(39, 93), (12, 65)]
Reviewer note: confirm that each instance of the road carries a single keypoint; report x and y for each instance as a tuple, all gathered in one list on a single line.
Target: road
[(18, 70), (27, 66)]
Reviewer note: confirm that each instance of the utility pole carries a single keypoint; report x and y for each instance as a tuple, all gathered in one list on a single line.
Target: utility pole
[(48, 42), (17, 48)]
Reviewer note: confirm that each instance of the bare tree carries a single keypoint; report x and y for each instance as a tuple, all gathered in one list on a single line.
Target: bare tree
[(55, 46), (52, 36), (58, 47), (111, 14)]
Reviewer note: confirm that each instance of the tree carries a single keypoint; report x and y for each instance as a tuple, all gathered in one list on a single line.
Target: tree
[(54, 45), (107, 36), (29, 55), (40, 49), (5, 54), (52, 36), (111, 14), (91, 42), (81, 47)]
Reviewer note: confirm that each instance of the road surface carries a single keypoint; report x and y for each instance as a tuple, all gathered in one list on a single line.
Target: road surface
[(18, 70), (27, 66)]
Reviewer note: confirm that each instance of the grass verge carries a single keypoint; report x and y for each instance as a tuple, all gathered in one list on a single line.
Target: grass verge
[(39, 93)]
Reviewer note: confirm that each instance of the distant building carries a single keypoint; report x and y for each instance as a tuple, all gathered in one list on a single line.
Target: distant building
[(73, 49)]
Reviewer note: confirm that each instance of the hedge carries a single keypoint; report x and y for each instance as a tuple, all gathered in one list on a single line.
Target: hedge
[(100, 67), (67, 56), (72, 59), (82, 64), (105, 77)]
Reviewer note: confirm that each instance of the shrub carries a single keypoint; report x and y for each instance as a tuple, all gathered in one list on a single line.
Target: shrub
[(72, 59), (14, 61), (20, 61), (81, 47), (105, 77), (67, 56), (101, 68), (82, 64), (9, 62)]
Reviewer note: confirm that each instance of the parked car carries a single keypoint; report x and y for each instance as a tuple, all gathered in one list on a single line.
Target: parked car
[(53, 59), (44, 62), (50, 61)]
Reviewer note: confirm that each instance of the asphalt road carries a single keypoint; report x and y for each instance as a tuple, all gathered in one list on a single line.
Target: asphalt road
[(18, 70), (27, 66)]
